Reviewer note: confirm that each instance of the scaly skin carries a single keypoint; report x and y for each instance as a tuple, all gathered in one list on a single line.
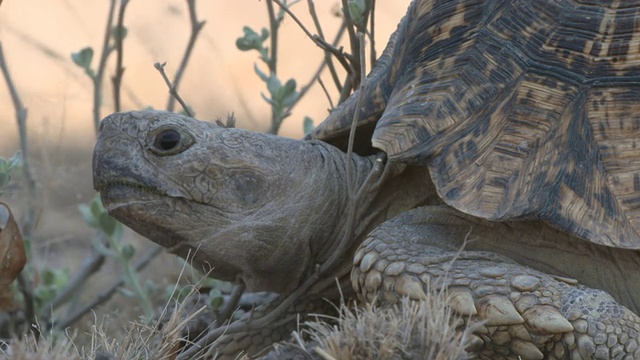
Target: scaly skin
[(265, 211), (528, 314)]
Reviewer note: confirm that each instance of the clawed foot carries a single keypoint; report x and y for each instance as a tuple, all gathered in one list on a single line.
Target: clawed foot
[(527, 314)]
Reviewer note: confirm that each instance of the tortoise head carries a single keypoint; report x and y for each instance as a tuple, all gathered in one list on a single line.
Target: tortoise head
[(250, 207)]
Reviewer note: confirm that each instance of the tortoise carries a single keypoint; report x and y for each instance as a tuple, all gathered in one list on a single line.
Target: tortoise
[(502, 142)]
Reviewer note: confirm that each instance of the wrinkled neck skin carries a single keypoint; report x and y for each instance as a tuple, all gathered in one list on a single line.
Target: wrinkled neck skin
[(305, 220), (388, 193)]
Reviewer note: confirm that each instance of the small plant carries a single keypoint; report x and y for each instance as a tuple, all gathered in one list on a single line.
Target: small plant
[(6, 167), (281, 96), (96, 216)]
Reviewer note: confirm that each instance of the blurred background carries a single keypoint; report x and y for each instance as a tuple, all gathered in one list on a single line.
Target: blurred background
[(38, 38)]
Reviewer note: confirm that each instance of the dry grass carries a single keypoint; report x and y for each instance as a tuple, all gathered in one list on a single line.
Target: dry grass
[(410, 330), (161, 340)]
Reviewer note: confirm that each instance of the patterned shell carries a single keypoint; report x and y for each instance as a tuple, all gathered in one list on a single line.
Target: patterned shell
[(519, 108)]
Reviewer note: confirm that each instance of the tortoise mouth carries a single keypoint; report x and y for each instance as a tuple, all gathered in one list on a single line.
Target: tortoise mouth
[(119, 194), (129, 203)]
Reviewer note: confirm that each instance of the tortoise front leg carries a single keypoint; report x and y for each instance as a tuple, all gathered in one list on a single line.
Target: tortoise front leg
[(528, 314)]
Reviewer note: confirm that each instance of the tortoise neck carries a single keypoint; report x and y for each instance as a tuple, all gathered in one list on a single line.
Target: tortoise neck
[(387, 193)]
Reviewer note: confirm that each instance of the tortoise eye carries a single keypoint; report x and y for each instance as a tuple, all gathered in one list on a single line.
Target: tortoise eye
[(167, 140), (170, 141)]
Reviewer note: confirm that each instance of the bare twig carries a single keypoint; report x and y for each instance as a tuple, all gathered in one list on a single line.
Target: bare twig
[(231, 305), (117, 78), (327, 54), (196, 26), (322, 43), (172, 88), (98, 77), (354, 122), (372, 32), (273, 31), (29, 304), (326, 93), (29, 220), (353, 38), (106, 295), (316, 76), (90, 267)]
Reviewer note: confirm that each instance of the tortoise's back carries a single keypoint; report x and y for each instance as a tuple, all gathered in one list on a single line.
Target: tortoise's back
[(520, 109)]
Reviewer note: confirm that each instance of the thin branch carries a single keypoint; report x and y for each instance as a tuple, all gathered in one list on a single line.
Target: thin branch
[(90, 267), (196, 26), (326, 93), (29, 301), (327, 54), (29, 220), (273, 30), (326, 47), (353, 38), (372, 33), (356, 116), (21, 111), (322, 43), (30, 213), (98, 77), (172, 88), (231, 305), (106, 295), (117, 78), (305, 89)]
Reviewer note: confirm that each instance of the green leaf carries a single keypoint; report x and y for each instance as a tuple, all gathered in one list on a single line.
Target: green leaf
[(47, 276), (4, 179), (267, 99), (87, 215), (108, 225), (96, 207), (290, 87), (215, 300), (290, 99), (128, 251), (357, 10), (251, 39), (150, 287), (16, 160), (83, 58), (6, 166), (274, 86), (307, 125), (262, 75), (101, 248), (44, 294), (126, 292), (114, 33)]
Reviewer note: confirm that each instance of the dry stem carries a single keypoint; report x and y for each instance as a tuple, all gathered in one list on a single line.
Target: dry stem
[(196, 26)]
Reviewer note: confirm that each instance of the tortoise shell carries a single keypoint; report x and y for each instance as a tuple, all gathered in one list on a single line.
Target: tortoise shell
[(519, 109)]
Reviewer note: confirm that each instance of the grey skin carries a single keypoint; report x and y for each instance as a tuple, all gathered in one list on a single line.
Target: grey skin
[(236, 197), (265, 211)]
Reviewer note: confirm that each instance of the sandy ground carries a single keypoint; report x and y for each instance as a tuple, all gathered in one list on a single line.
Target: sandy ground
[(38, 37)]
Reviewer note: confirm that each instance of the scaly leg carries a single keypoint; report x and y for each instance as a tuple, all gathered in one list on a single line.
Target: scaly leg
[(529, 314)]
